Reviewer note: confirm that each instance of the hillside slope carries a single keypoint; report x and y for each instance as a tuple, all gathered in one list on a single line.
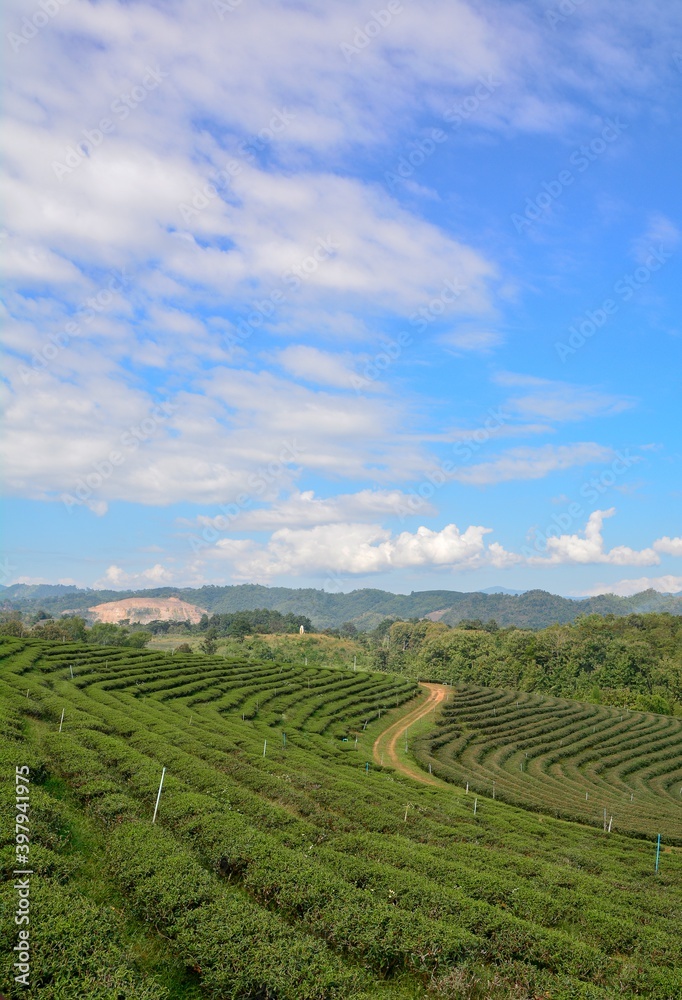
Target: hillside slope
[(147, 609), (281, 862)]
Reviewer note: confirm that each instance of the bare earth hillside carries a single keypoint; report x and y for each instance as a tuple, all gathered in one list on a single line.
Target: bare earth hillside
[(147, 609)]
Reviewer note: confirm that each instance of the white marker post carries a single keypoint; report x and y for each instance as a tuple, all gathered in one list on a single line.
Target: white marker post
[(71, 669), (158, 797), (475, 806), (61, 721), (265, 746)]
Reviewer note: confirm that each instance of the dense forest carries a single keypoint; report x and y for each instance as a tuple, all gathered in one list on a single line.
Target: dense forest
[(535, 609), (635, 661)]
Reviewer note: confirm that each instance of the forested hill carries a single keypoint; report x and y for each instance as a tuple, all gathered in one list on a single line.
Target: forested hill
[(534, 609)]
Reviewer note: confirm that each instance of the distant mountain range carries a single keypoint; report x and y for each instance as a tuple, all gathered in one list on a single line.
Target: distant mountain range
[(500, 590), (365, 608)]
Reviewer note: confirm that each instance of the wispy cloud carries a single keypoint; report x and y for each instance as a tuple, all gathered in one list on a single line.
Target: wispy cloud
[(626, 588), (532, 463)]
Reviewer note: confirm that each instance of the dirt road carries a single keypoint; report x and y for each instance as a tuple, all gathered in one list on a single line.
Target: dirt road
[(385, 745)]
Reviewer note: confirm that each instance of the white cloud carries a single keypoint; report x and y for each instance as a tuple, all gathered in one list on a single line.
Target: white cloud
[(532, 463), (218, 441), (359, 549), (660, 232), (668, 546), (476, 341), (559, 401), (314, 365), (588, 547), (305, 510), (626, 588), (117, 578)]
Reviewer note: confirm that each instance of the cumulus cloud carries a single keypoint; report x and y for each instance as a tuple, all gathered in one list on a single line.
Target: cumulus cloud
[(588, 547), (117, 578), (668, 546), (359, 549)]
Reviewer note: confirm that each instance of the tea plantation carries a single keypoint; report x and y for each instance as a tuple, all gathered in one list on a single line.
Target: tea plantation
[(284, 864), (579, 762)]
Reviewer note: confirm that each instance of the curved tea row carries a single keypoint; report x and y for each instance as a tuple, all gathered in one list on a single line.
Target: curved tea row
[(575, 761)]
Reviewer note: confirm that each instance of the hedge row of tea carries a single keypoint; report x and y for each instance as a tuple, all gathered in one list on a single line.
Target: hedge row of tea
[(580, 762), (281, 864)]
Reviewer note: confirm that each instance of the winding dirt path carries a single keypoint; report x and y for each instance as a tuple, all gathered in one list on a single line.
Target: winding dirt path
[(385, 745)]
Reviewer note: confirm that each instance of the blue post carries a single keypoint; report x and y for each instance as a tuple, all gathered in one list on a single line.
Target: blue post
[(658, 850), (367, 767), (284, 739)]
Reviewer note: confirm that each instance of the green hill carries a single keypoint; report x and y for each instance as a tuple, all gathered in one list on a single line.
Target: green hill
[(533, 609)]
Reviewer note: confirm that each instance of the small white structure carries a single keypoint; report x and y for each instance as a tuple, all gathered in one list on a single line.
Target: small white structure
[(301, 630)]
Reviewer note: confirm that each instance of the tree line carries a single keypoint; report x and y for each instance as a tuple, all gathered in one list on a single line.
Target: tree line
[(634, 660)]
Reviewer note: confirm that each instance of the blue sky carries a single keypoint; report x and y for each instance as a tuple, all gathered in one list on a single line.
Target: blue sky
[(339, 295)]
